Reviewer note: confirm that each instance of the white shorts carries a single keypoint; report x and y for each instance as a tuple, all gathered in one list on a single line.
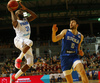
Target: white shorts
[(20, 42), (68, 72)]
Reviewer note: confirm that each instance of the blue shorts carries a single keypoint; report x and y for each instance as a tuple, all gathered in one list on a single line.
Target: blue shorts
[(67, 61)]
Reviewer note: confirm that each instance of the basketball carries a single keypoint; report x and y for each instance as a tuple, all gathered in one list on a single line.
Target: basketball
[(13, 4)]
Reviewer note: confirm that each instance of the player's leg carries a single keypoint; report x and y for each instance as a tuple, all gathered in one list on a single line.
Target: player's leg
[(29, 58), (25, 67), (24, 50), (68, 76), (24, 45), (78, 66), (66, 65), (19, 59)]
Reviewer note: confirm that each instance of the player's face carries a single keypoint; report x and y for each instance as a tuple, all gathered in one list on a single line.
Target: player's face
[(73, 24), (19, 13)]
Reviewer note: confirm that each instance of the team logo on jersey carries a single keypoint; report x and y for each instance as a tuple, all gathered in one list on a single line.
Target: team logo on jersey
[(72, 39)]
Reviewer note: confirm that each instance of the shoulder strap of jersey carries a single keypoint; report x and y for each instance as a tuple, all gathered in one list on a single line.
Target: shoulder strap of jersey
[(79, 33)]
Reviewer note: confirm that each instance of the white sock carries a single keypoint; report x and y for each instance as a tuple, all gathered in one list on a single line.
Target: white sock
[(19, 73), (21, 55)]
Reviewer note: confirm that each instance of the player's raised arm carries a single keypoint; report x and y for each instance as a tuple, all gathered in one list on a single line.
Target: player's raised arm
[(58, 37), (79, 46), (33, 15), (13, 17)]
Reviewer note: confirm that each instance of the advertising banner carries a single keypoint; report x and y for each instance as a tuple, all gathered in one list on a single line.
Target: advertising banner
[(99, 75), (75, 76), (28, 79)]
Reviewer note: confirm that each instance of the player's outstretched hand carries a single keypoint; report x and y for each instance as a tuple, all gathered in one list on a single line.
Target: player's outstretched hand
[(55, 28), (9, 9), (81, 53), (23, 7)]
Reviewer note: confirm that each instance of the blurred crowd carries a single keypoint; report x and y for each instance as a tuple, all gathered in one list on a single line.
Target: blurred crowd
[(91, 64), (42, 65)]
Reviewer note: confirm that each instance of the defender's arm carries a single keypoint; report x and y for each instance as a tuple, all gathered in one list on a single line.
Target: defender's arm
[(79, 46), (58, 37)]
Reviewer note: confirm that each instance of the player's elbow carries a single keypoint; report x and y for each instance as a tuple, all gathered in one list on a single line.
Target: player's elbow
[(14, 23), (35, 16), (54, 40), (32, 18)]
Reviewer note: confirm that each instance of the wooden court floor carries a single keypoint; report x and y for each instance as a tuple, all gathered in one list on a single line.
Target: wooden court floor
[(91, 81)]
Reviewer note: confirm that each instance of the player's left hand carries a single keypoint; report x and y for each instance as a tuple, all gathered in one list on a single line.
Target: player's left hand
[(23, 7), (81, 53)]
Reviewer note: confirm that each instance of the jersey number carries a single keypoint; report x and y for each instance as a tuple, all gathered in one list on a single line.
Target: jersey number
[(73, 45), (27, 28)]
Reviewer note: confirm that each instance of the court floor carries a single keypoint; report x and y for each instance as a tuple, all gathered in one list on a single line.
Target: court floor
[(91, 81)]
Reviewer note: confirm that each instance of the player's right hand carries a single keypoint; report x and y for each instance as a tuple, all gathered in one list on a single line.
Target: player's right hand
[(55, 28), (81, 53), (9, 9), (23, 7)]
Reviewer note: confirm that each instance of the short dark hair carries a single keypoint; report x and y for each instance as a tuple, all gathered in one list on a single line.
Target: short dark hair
[(73, 18)]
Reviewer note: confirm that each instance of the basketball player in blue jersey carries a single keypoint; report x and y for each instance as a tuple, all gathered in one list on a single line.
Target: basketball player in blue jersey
[(71, 43), (22, 40)]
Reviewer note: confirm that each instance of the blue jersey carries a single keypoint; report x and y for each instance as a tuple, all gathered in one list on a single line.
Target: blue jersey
[(70, 43)]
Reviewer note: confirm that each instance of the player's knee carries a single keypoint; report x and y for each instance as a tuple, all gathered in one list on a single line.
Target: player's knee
[(82, 72), (29, 52), (30, 43), (30, 64)]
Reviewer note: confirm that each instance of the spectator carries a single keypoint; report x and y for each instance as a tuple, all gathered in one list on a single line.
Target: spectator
[(99, 48), (59, 79), (88, 50), (54, 57), (90, 75), (45, 52), (87, 73), (98, 55), (52, 79), (49, 51), (95, 54), (3, 74), (95, 75)]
